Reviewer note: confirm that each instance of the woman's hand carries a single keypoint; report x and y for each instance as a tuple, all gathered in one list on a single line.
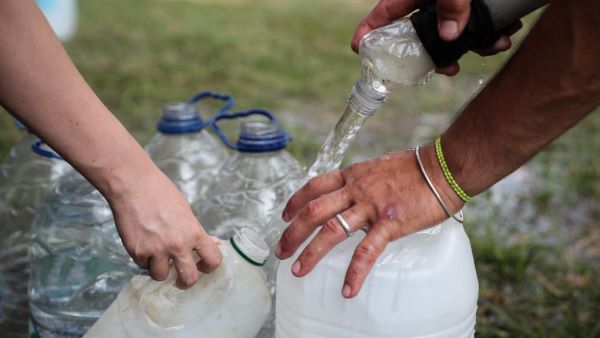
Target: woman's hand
[(156, 224), (453, 16), (387, 198)]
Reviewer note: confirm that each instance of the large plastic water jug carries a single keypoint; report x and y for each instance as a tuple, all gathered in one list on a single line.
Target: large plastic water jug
[(422, 285), (26, 177), (62, 16), (253, 181), (78, 263), (184, 150), (231, 302)]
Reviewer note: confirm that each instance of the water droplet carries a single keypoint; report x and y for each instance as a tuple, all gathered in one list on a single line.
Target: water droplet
[(480, 81)]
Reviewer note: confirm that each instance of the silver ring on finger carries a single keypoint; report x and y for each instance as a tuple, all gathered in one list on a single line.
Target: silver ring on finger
[(344, 224)]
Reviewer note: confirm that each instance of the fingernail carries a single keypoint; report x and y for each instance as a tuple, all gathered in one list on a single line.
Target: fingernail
[(346, 291), (448, 29), (296, 268), (278, 250)]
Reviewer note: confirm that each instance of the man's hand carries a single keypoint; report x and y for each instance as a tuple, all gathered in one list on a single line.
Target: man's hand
[(386, 197), (453, 16)]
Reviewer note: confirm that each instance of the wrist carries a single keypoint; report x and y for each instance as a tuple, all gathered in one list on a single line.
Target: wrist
[(436, 175), (118, 179)]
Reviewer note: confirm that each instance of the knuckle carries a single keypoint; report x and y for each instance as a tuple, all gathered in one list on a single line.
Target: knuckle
[(311, 210), (362, 183), (287, 238), (332, 228), (366, 253), (178, 247)]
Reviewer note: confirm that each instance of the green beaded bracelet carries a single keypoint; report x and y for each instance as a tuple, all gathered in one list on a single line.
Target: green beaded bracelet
[(440, 156)]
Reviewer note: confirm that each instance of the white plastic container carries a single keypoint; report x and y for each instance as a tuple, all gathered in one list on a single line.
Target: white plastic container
[(62, 16), (423, 285), (231, 302)]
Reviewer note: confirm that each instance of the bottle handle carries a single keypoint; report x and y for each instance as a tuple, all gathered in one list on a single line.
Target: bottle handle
[(229, 100), (36, 147), (231, 116)]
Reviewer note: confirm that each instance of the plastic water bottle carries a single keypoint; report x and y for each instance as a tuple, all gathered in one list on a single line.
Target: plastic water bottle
[(253, 181), (406, 51), (26, 178), (62, 16), (230, 302), (422, 285), (184, 150), (78, 263)]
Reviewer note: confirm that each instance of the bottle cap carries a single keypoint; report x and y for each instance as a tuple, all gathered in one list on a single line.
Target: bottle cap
[(255, 136), (250, 246), (180, 118)]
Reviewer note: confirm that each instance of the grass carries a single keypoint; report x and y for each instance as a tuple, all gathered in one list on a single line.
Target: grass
[(537, 256)]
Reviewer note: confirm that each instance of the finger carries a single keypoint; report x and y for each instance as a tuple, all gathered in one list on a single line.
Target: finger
[(364, 257), (209, 252), (314, 214), (502, 44), (382, 14), (142, 261), (316, 187), (450, 70), (452, 17), (159, 267), (330, 235), (187, 273)]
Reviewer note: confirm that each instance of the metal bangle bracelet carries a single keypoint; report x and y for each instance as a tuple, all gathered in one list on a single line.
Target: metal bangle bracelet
[(437, 195)]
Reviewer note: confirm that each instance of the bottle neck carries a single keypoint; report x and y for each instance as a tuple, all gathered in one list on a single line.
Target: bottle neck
[(366, 97), (250, 245)]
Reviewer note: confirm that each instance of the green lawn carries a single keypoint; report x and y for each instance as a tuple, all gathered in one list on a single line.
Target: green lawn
[(537, 253)]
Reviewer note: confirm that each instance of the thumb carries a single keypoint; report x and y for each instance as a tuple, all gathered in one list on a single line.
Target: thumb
[(452, 16)]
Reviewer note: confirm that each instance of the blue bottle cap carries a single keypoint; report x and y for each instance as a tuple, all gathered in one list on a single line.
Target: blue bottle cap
[(180, 118), (255, 136), (183, 117)]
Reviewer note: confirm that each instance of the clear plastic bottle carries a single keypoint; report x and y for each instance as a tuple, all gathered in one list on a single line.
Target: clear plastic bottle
[(253, 181), (78, 263), (27, 175), (230, 302), (184, 150)]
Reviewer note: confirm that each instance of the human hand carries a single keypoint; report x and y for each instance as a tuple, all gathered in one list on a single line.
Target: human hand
[(452, 16), (387, 198), (156, 224)]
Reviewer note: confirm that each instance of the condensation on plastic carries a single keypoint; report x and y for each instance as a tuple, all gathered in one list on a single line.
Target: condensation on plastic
[(26, 178), (422, 285), (190, 160), (230, 302), (78, 262), (247, 191), (395, 54)]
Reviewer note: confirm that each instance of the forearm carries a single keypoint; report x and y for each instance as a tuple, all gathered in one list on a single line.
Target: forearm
[(551, 83), (40, 85)]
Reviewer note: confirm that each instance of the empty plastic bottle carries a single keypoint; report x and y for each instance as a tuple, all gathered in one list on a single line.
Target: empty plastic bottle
[(184, 150), (253, 181), (26, 177), (78, 262), (230, 302)]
